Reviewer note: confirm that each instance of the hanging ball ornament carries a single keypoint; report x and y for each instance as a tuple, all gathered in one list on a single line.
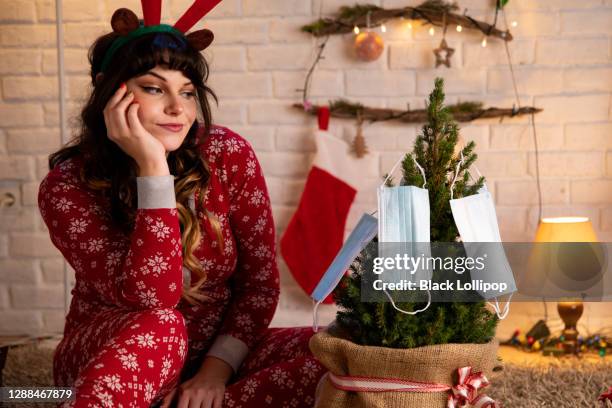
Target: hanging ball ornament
[(368, 46)]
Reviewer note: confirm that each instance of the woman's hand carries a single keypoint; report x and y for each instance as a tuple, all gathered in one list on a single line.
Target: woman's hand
[(206, 389), (124, 128), (201, 391)]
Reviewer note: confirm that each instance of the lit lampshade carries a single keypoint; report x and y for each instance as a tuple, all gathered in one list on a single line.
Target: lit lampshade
[(567, 229)]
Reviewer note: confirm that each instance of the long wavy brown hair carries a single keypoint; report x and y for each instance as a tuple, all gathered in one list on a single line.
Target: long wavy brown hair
[(110, 171)]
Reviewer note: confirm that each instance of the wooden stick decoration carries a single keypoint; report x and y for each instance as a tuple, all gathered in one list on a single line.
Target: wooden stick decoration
[(431, 11), (462, 112)]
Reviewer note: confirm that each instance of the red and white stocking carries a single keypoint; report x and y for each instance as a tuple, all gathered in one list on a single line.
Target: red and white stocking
[(316, 232)]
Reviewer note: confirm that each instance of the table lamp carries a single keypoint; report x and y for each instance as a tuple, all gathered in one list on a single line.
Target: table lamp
[(567, 229)]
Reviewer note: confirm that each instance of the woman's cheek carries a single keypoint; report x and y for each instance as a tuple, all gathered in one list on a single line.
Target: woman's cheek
[(192, 108), (144, 115)]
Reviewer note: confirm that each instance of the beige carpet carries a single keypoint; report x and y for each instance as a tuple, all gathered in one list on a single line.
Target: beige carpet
[(544, 382), (29, 366), (568, 383)]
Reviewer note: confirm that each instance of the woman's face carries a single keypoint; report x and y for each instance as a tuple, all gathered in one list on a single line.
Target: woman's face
[(168, 104)]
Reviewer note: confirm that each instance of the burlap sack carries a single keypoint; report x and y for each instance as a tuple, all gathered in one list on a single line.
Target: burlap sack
[(435, 364)]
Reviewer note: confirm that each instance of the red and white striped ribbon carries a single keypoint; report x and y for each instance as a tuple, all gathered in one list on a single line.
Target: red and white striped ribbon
[(373, 384), (462, 394)]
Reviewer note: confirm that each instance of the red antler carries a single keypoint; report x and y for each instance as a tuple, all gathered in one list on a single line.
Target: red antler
[(198, 9), (151, 10)]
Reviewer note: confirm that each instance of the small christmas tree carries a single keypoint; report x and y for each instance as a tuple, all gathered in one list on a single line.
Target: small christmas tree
[(378, 323)]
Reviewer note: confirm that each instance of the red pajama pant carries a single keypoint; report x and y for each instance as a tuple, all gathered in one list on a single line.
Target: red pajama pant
[(133, 359)]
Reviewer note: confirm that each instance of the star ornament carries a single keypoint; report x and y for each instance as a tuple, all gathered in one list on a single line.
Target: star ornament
[(443, 54)]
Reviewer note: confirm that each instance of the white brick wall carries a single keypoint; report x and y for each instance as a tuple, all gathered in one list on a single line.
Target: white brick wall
[(562, 51)]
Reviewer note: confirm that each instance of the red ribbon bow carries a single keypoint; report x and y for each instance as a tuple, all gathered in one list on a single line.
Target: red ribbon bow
[(466, 390), (606, 396)]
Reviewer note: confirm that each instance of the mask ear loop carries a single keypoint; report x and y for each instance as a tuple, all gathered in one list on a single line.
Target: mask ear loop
[(457, 174), (452, 187), (397, 164), (428, 292), (479, 176), (315, 317), (393, 169), (421, 170), (475, 167), (501, 315), (413, 312)]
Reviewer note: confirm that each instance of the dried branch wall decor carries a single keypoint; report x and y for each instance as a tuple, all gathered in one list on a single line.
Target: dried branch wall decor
[(462, 112), (431, 11)]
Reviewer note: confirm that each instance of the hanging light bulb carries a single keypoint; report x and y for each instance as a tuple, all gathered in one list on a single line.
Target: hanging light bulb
[(432, 31), (484, 42), (383, 28), (514, 23), (356, 30), (459, 28), (410, 25)]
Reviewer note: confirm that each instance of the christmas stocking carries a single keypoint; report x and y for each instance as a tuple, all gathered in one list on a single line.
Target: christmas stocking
[(316, 231)]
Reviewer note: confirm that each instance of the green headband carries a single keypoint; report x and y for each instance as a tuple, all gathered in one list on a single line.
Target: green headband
[(139, 32)]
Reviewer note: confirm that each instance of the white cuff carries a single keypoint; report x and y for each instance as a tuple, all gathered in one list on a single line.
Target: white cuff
[(229, 349), (156, 192)]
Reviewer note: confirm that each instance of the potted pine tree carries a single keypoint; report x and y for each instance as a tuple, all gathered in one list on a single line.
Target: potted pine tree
[(373, 352)]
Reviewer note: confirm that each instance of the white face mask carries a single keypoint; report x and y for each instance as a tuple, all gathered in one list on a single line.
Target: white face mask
[(476, 221), (403, 213)]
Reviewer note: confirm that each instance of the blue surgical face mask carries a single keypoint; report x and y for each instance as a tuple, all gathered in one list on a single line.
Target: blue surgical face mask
[(403, 213), (361, 235), (476, 222)]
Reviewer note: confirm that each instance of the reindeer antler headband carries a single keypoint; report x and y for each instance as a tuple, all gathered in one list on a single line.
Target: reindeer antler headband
[(126, 24)]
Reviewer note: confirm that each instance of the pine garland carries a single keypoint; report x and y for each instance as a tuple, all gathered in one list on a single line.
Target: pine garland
[(378, 323), (434, 12)]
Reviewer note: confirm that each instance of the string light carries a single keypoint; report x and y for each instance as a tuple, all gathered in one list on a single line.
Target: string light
[(514, 23), (459, 28), (432, 31), (356, 30), (410, 25), (484, 42), (383, 28)]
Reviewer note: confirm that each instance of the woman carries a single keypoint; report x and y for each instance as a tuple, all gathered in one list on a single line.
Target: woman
[(166, 220)]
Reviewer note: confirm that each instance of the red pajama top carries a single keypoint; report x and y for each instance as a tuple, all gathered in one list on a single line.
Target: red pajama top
[(143, 269)]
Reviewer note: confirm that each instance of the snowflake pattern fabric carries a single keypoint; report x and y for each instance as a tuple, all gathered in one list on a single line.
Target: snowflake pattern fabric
[(129, 338)]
